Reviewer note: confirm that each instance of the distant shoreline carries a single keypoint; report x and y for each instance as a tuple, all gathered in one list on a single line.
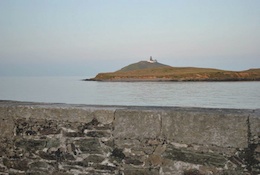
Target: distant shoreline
[(164, 80), (145, 71)]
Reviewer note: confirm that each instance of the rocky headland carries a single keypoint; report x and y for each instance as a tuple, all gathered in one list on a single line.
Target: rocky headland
[(152, 70)]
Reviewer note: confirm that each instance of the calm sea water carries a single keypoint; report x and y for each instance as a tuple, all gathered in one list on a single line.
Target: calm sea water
[(188, 94)]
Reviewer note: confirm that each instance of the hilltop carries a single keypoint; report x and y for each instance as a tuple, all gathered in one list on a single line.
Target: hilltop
[(154, 71), (142, 65)]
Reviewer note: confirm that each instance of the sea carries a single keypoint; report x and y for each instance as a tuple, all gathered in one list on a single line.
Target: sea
[(72, 90)]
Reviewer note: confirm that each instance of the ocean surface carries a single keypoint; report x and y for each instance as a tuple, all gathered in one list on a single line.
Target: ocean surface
[(72, 90)]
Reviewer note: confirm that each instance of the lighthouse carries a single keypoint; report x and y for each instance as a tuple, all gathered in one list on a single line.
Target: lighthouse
[(151, 60)]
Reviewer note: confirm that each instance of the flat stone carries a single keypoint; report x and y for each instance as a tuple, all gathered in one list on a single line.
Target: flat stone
[(78, 163), (137, 124), (68, 156), (140, 171), (47, 156), (40, 166), (74, 134), (31, 144), (118, 153), (254, 125), (94, 159), (104, 167), (128, 143), (189, 156), (109, 143), (192, 172), (133, 161), (91, 146), (65, 113), (160, 149), (6, 123), (18, 164), (225, 128), (52, 143), (71, 148), (104, 116), (177, 168), (49, 131), (155, 160), (98, 134)]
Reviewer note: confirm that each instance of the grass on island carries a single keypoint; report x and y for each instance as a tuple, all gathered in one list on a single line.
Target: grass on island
[(142, 71)]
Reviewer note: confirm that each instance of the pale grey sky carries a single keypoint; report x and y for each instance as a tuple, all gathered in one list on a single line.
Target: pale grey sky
[(84, 37)]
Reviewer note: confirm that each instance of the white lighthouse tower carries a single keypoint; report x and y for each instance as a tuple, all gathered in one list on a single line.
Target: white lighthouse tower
[(151, 60)]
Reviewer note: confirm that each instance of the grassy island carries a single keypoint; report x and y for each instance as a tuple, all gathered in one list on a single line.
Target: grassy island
[(154, 71)]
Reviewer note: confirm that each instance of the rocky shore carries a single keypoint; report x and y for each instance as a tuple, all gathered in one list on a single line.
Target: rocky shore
[(178, 74)]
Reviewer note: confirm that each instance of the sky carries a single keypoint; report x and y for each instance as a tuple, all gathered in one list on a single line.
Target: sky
[(85, 37)]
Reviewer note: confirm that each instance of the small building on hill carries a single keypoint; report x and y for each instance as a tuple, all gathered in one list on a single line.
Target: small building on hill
[(151, 60)]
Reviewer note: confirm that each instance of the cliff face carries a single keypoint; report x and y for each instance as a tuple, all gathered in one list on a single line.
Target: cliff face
[(145, 71)]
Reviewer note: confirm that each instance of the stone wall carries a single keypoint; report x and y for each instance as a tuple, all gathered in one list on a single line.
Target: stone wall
[(104, 140)]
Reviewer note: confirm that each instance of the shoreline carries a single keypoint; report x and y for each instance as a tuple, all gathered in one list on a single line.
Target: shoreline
[(174, 80), (133, 73)]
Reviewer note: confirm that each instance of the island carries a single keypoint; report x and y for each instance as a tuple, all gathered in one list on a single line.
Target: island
[(152, 70)]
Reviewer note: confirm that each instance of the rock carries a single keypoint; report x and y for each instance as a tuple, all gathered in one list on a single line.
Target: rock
[(155, 160), (118, 153), (137, 124), (7, 124), (91, 146), (195, 157), (71, 149), (211, 127), (47, 156), (18, 164), (159, 150), (98, 134), (104, 167), (31, 144), (133, 161), (40, 167), (192, 172), (74, 134), (52, 143), (94, 159), (140, 171)]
